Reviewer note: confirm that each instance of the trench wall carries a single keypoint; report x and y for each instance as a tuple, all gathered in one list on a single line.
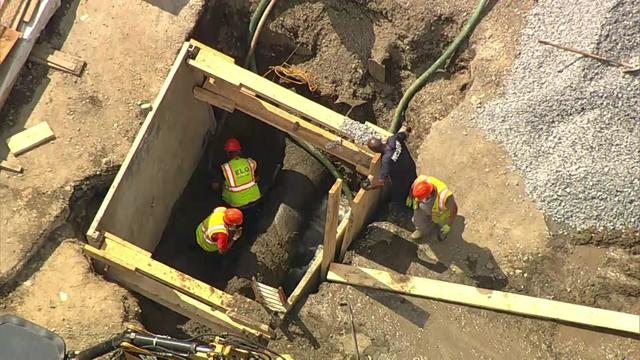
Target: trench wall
[(160, 162)]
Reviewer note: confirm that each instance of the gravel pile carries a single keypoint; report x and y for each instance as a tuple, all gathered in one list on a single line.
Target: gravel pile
[(359, 132), (572, 124)]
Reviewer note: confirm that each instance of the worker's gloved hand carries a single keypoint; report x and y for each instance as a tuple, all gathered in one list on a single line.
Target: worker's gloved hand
[(445, 230), (215, 186), (365, 184)]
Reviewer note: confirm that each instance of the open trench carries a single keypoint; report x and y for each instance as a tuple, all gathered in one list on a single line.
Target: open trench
[(281, 240)]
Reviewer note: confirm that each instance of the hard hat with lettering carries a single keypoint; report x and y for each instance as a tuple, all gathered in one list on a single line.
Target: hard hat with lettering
[(232, 144), (233, 216), (422, 190)]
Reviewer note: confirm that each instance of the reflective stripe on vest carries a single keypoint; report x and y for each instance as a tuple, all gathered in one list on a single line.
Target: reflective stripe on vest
[(238, 182), (214, 224)]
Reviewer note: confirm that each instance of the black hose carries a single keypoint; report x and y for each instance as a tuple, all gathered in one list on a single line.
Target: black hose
[(100, 349)]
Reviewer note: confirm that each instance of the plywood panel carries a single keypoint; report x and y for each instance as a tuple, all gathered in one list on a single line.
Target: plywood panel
[(162, 158)]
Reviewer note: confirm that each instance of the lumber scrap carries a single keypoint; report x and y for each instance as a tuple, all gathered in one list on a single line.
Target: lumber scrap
[(30, 138), (218, 68), (43, 54), (285, 121), (331, 228), (8, 38), (363, 207), (484, 298), (10, 166), (10, 11)]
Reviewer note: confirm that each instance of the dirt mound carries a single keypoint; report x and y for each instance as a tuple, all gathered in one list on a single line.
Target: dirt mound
[(66, 297)]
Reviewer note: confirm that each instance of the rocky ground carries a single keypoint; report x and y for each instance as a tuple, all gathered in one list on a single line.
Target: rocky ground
[(506, 226)]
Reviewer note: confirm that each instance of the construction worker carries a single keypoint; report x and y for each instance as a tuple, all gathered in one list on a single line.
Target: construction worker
[(396, 166), (433, 204), (214, 232), (240, 181)]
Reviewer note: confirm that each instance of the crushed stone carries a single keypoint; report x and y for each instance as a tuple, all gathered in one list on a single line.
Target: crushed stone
[(570, 123)]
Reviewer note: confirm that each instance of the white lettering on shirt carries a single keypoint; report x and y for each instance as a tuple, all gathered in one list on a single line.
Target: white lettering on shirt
[(397, 152)]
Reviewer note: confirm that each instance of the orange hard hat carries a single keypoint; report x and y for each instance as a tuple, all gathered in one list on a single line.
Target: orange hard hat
[(233, 216), (422, 190), (232, 144)]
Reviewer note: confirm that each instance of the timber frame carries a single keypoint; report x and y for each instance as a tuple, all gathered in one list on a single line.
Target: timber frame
[(200, 77)]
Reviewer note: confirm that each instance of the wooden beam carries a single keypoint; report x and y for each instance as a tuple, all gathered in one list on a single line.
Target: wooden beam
[(331, 228), (131, 254), (484, 298), (113, 238), (30, 138), (363, 207), (214, 99), (171, 298), (169, 281), (217, 67), (289, 123), (310, 279)]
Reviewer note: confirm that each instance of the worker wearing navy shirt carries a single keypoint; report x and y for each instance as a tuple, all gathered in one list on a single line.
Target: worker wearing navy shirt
[(396, 166)]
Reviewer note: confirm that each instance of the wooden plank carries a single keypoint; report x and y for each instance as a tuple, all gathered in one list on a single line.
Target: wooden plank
[(310, 279), (20, 14), (113, 238), (31, 9), (216, 100), (331, 228), (43, 54), (294, 125), (363, 207), (10, 166), (30, 138), (131, 254), (484, 298), (8, 38), (169, 297), (217, 67), (10, 12)]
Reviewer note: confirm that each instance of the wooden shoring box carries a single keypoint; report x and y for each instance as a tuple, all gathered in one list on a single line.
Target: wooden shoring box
[(129, 223)]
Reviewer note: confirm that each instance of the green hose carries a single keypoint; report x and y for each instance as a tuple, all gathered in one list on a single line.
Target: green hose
[(422, 80), (251, 61), (253, 24)]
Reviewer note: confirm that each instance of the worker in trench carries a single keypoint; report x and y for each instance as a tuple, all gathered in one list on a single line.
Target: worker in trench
[(220, 230), (240, 189), (433, 206), (396, 167)]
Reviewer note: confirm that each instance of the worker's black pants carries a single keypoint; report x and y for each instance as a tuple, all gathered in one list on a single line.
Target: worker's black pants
[(400, 188)]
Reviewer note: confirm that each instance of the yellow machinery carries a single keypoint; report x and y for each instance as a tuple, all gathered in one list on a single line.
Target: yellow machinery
[(22, 339)]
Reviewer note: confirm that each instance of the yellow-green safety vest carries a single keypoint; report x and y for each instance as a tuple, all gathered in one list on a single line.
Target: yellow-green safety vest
[(439, 212), (240, 187), (213, 224)]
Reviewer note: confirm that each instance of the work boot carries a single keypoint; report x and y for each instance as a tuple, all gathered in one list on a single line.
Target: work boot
[(416, 235)]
